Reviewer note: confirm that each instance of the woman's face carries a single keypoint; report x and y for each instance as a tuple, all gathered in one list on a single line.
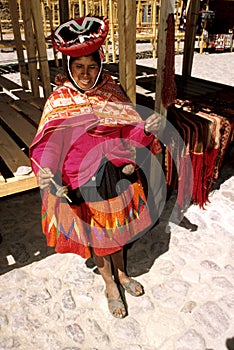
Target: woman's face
[(84, 71)]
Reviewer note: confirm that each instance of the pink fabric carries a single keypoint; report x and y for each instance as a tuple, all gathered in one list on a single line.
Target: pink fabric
[(76, 154), (76, 130)]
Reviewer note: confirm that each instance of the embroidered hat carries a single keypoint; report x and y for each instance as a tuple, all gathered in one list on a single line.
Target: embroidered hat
[(81, 36)]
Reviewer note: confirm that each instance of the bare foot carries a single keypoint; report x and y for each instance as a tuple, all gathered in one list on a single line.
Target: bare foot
[(115, 303), (132, 286)]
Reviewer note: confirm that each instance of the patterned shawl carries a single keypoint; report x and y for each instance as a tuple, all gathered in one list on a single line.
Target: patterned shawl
[(105, 105)]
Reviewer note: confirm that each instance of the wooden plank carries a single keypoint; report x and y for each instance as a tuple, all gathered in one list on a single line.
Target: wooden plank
[(112, 29), (64, 16), (10, 152), (31, 47), (37, 102), (31, 112), (14, 88), (127, 47), (5, 97), (41, 46), (13, 7), (22, 94), (18, 184), (167, 7), (190, 35), (17, 123), (9, 84)]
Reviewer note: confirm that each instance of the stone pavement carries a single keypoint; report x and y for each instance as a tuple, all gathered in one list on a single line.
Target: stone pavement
[(58, 303)]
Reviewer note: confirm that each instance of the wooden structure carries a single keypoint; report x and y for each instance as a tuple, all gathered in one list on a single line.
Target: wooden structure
[(36, 72), (20, 113)]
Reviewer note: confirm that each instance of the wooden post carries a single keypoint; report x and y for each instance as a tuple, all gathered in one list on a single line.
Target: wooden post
[(153, 23), (203, 29), (104, 13), (64, 16), (139, 14), (18, 41), (31, 46), (81, 9), (43, 17), (104, 8), (190, 36), (51, 30), (41, 46), (112, 30), (127, 46), (167, 7), (63, 10), (156, 175), (86, 7)]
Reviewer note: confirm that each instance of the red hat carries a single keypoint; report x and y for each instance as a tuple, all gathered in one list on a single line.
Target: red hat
[(81, 36)]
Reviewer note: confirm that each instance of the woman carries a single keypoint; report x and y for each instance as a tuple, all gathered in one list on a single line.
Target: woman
[(84, 142)]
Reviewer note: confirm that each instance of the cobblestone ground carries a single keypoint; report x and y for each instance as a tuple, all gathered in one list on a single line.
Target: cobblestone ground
[(58, 303)]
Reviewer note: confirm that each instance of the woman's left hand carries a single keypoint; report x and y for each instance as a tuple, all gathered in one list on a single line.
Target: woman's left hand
[(152, 123)]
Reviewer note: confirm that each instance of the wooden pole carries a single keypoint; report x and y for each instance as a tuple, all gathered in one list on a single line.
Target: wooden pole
[(64, 16), (41, 46), (43, 17), (31, 46), (153, 21), (51, 30), (127, 47), (86, 7), (190, 35), (81, 9), (18, 41), (63, 10), (139, 14), (104, 13), (167, 7), (203, 30), (156, 175), (112, 30)]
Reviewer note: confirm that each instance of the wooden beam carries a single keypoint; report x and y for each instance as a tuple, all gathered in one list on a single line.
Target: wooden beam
[(32, 113), (17, 123), (81, 8), (167, 7), (112, 30), (190, 36), (41, 46), (127, 47), (11, 153), (51, 31), (18, 40), (31, 46), (64, 16), (18, 184), (63, 10), (156, 175)]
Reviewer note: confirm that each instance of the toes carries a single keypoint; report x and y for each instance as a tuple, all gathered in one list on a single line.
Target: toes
[(120, 313)]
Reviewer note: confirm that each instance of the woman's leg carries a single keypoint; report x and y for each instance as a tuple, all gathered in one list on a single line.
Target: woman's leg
[(122, 277), (114, 300)]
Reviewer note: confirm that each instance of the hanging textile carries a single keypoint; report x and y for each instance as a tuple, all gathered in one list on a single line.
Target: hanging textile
[(206, 133)]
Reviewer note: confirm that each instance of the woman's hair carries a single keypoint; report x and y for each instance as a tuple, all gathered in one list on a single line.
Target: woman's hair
[(95, 55)]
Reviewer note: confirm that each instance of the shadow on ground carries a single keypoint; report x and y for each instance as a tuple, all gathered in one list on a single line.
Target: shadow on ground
[(20, 228), (22, 241)]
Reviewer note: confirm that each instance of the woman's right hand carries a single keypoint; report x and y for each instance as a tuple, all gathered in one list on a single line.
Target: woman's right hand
[(44, 178)]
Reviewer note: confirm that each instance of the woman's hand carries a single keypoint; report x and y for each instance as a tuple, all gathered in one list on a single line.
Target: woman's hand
[(152, 123), (128, 169), (44, 177)]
